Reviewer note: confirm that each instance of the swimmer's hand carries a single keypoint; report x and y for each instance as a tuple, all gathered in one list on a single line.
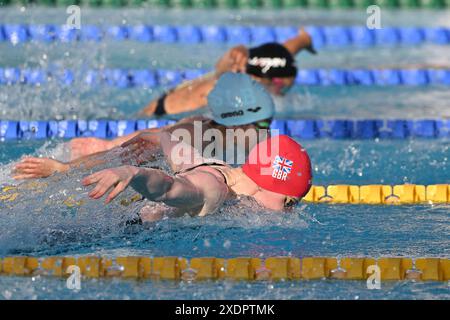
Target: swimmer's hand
[(308, 40), (116, 179), (234, 60), (139, 149), (33, 168)]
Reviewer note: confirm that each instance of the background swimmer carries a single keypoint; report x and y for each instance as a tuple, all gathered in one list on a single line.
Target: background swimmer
[(271, 64), (252, 110)]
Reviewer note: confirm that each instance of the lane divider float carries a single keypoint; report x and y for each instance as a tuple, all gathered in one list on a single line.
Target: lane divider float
[(378, 194), (301, 128), (241, 268), (332, 36), (244, 4), (149, 78)]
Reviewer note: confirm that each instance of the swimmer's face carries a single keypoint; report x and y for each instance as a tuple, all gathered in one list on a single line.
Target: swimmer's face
[(270, 200), (277, 86)]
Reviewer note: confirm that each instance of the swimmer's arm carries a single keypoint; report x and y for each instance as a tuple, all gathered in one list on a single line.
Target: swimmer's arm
[(149, 135), (117, 142), (33, 168), (80, 147), (87, 162), (151, 183), (199, 190), (301, 41), (155, 185), (234, 60)]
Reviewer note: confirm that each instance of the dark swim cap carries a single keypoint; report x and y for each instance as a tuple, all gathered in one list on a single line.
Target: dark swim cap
[(271, 60)]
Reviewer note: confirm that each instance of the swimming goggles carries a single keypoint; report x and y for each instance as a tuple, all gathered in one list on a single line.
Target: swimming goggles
[(263, 124), (291, 202)]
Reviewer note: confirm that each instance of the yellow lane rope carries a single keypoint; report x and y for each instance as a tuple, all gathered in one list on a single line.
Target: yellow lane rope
[(380, 194), (241, 268)]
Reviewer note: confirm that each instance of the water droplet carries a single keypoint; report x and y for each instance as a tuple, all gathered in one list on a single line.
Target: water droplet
[(227, 244)]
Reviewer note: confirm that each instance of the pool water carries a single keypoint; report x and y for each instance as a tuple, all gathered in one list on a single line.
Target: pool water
[(38, 225)]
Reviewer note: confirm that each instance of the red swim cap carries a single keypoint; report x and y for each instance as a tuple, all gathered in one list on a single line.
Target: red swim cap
[(281, 165)]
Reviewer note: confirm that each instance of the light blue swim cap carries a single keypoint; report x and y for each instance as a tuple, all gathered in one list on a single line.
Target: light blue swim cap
[(237, 99)]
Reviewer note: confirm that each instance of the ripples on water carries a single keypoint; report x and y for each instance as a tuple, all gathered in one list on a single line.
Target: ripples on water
[(39, 220), (56, 213), (38, 223)]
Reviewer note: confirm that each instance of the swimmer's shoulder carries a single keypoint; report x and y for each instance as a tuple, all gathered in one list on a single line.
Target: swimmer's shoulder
[(211, 169), (213, 185)]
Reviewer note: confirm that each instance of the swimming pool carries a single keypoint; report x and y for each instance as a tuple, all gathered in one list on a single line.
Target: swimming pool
[(39, 226)]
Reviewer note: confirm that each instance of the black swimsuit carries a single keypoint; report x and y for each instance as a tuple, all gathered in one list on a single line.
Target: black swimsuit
[(161, 105)]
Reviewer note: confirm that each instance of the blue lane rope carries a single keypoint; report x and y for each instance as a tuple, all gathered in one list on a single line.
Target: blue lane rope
[(335, 36), (304, 129), (148, 78)]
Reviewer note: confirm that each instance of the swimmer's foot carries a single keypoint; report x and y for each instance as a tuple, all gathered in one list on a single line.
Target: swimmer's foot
[(34, 168), (80, 147), (309, 45)]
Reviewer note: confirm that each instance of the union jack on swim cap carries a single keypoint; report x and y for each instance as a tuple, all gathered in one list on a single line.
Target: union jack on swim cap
[(280, 164)]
